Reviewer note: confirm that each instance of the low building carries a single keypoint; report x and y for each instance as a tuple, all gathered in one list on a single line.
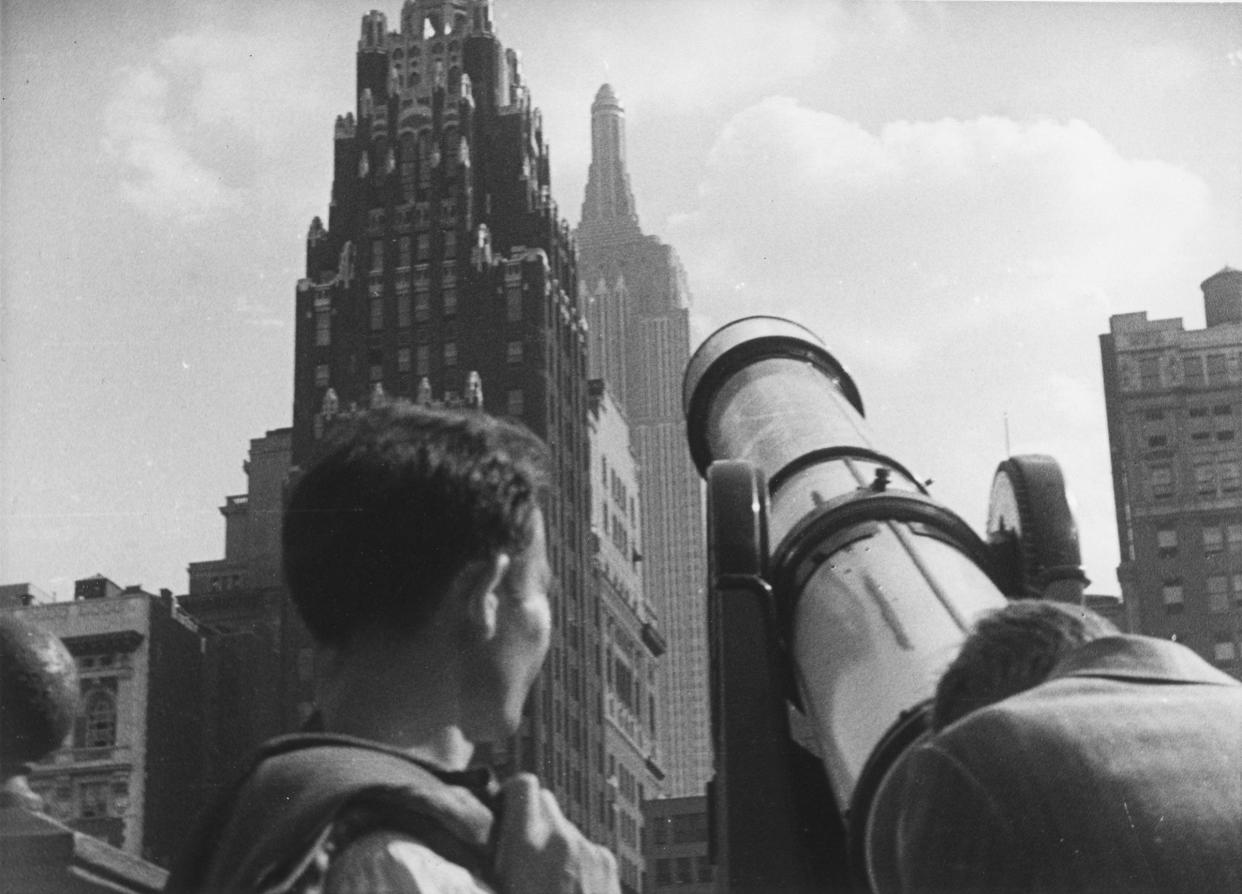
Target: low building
[(678, 857), (130, 772)]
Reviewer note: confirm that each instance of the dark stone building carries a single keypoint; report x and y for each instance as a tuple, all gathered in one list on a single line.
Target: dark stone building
[(1174, 401), (444, 275), (638, 306)]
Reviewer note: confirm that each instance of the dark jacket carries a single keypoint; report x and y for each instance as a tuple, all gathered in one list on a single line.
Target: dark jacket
[(1122, 772), (307, 796)]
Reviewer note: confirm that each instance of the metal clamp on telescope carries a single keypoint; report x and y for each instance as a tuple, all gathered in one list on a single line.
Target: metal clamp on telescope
[(838, 590)]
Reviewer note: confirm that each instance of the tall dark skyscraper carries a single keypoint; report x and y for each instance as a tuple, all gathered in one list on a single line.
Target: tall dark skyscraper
[(445, 275), (638, 303)]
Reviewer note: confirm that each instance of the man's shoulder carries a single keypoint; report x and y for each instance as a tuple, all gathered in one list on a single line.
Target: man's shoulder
[(385, 860)]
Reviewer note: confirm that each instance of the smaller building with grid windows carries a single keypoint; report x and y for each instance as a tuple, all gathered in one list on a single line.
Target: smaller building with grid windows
[(1174, 402), (678, 858), (130, 771)]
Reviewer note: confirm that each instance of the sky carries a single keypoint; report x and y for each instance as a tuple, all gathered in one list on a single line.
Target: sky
[(955, 197)]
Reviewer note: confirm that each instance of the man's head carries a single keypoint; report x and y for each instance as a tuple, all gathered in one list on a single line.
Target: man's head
[(1011, 650), (398, 505)]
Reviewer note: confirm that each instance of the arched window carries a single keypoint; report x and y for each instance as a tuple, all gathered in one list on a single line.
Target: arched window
[(100, 715)]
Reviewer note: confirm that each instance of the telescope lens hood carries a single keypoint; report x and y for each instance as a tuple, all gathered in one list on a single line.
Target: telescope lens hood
[(737, 345)]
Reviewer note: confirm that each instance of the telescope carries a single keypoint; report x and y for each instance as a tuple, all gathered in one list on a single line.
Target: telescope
[(838, 591)]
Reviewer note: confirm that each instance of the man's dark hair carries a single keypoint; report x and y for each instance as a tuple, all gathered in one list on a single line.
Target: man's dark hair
[(400, 500), (1011, 650)]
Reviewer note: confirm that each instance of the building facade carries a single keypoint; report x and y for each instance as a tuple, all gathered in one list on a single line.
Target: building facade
[(638, 304), (134, 759), (1174, 403), (445, 275), (632, 644), (260, 665), (678, 846)]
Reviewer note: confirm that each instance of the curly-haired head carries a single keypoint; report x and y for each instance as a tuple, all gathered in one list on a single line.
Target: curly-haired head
[(1011, 650), (399, 501)]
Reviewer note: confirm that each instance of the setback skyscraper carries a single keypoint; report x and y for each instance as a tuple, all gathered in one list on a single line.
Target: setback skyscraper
[(1174, 400), (638, 306), (445, 275)]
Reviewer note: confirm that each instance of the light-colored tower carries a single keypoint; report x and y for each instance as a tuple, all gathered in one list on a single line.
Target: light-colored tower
[(637, 303), (1174, 401)]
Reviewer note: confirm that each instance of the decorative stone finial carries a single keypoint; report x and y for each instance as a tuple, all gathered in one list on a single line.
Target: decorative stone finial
[(38, 702)]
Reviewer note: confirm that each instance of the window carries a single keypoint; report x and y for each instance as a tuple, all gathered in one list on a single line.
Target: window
[(100, 715), (1161, 481), (93, 798), (1153, 415), (1193, 369), (323, 328), (1149, 373), (450, 353), (321, 375), (1205, 479), (684, 874), (450, 301), (1158, 441), (1174, 601), (1222, 410), (513, 352), (1225, 435), (664, 871), (1166, 542), (422, 360), (404, 317), (450, 243), (1216, 374), (377, 314), (403, 252), (1224, 651), (423, 246), (1218, 593), (515, 404), (1233, 536), (403, 360), (1237, 589), (377, 256), (513, 303), (377, 372), (422, 304), (1213, 541), (1197, 412)]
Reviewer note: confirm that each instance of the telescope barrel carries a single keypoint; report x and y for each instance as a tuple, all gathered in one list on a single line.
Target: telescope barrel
[(874, 582)]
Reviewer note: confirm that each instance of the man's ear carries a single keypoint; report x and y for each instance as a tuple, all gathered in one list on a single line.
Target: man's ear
[(478, 585)]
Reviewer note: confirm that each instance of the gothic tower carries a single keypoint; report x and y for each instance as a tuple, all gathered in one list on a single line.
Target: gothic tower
[(445, 275), (637, 299)]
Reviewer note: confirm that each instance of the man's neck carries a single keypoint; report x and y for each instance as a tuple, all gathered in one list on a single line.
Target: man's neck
[(379, 693)]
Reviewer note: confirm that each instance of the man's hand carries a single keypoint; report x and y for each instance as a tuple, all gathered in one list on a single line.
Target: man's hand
[(538, 851)]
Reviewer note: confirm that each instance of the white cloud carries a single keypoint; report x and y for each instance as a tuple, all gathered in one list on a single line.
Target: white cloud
[(949, 222), (164, 180), (962, 269), (206, 118)]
